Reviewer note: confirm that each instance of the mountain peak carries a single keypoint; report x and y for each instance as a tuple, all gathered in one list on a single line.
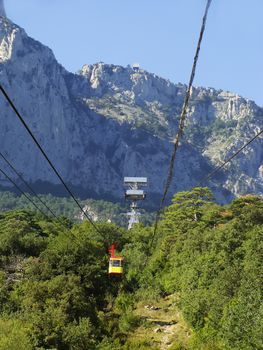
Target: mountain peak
[(2, 9)]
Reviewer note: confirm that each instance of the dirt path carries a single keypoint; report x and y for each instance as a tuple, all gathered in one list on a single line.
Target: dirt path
[(163, 324)]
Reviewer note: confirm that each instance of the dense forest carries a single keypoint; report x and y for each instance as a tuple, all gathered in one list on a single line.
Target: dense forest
[(205, 262), (97, 209)]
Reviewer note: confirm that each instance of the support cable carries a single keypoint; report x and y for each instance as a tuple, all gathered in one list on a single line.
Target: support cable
[(32, 202), (22, 192), (219, 167), (45, 155), (27, 185), (182, 120)]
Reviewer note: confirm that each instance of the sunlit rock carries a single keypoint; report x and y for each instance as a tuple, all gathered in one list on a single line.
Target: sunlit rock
[(108, 121)]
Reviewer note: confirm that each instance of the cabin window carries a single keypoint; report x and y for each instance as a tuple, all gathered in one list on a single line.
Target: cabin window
[(116, 263)]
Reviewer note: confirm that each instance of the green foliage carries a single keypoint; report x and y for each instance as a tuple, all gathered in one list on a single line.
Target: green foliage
[(55, 292), (139, 344), (128, 321), (178, 346), (13, 335), (63, 281), (21, 233), (64, 207), (124, 302), (212, 257), (109, 344), (123, 306), (80, 336)]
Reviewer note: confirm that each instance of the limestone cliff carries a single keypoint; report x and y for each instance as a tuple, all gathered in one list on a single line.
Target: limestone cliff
[(107, 121)]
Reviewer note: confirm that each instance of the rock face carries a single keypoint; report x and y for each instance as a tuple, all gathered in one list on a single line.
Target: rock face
[(107, 122)]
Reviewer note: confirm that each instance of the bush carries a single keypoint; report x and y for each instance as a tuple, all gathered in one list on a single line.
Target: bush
[(14, 335), (128, 322)]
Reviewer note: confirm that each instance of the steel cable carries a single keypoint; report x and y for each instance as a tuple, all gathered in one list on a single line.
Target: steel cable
[(182, 121), (22, 192), (45, 155), (219, 167), (27, 184)]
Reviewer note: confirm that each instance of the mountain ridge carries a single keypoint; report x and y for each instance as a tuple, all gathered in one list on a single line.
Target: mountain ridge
[(108, 121)]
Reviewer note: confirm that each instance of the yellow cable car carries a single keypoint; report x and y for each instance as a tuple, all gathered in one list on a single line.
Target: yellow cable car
[(115, 262), (116, 265)]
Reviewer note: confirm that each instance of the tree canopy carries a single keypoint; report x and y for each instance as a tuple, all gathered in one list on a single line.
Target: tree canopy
[(56, 293)]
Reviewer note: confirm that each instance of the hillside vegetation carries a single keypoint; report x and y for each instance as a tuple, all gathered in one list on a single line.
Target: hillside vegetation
[(196, 284), (63, 206)]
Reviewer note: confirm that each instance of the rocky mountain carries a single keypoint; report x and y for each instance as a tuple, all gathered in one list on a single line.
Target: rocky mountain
[(108, 121)]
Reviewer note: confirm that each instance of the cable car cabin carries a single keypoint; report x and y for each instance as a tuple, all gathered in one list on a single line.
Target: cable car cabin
[(135, 195), (116, 266)]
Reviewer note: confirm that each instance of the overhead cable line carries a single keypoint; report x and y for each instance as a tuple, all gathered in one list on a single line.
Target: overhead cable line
[(22, 192), (219, 167), (45, 156), (32, 190), (182, 120), (26, 196), (27, 185)]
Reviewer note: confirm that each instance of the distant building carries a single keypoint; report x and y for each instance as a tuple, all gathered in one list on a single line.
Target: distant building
[(136, 67)]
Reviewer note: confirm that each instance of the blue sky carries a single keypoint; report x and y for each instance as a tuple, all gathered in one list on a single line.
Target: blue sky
[(160, 35)]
